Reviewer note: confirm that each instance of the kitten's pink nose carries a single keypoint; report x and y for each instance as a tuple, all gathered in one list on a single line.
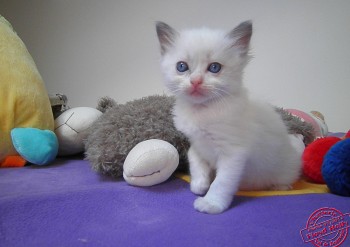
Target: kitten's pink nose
[(197, 81)]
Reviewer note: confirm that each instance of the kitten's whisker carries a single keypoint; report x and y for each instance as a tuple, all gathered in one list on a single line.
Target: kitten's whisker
[(219, 97), (219, 94), (175, 90)]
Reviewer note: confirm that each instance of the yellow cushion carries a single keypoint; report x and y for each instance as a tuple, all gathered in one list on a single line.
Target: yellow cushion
[(24, 101), (300, 187)]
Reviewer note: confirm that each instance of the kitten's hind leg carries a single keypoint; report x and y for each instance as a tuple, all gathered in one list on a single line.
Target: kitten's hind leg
[(297, 141), (200, 173)]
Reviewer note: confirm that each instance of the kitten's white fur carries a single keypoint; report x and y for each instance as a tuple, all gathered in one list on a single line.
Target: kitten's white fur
[(236, 142)]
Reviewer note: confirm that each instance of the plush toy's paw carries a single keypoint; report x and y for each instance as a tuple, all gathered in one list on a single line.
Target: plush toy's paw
[(39, 147), (13, 161), (70, 129), (150, 162)]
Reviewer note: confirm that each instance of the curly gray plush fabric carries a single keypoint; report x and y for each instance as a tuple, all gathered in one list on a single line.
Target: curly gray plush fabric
[(122, 126)]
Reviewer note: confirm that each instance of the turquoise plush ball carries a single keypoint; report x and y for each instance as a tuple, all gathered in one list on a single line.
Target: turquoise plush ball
[(336, 168)]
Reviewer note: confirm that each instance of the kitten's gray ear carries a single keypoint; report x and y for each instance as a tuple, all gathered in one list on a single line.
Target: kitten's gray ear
[(241, 36), (166, 35)]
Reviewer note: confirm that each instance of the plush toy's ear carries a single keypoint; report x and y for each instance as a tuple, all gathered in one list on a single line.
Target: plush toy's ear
[(24, 101)]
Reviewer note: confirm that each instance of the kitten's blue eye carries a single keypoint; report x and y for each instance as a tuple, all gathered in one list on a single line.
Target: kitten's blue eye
[(214, 67), (181, 66)]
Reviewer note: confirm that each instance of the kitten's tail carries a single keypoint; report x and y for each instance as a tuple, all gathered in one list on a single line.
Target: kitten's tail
[(105, 103), (296, 126)]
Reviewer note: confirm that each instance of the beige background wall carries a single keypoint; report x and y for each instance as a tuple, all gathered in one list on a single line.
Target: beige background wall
[(88, 49)]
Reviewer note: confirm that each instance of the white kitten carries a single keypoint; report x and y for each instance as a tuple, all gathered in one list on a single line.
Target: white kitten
[(236, 143)]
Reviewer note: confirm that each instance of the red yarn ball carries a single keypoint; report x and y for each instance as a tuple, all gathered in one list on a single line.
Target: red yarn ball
[(313, 157), (347, 134)]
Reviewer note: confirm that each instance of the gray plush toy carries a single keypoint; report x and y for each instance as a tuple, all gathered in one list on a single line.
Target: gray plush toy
[(123, 126)]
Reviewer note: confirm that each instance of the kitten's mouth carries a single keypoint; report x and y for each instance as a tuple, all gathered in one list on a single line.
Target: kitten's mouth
[(196, 92)]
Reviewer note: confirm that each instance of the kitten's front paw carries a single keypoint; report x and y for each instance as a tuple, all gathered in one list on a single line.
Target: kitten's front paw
[(199, 187), (205, 205)]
